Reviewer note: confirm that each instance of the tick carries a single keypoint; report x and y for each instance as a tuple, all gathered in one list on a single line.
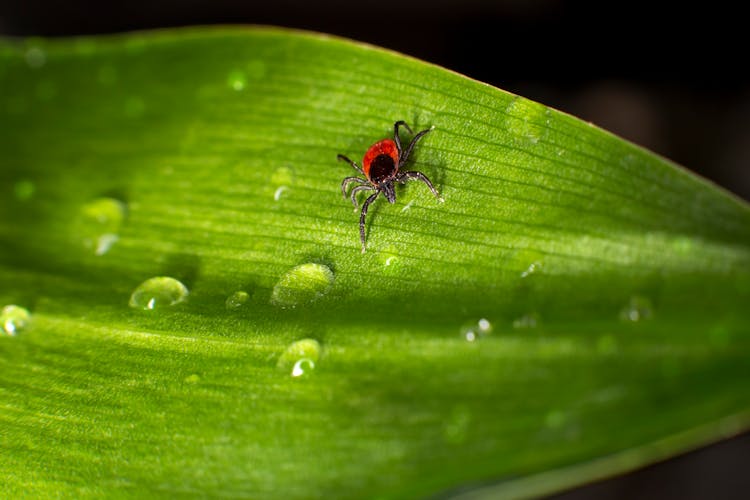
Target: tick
[(381, 167)]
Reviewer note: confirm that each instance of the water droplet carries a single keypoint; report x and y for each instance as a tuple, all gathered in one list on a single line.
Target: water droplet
[(300, 357), (237, 80), (527, 321), (533, 268), (525, 119), (473, 331), (237, 299), (301, 285), (277, 194), (14, 319), (105, 210), (24, 190), (390, 260), (282, 176), (99, 223), (35, 57), (528, 262), (484, 326), (134, 107), (105, 242), (637, 309), (282, 179), (158, 292), (303, 367)]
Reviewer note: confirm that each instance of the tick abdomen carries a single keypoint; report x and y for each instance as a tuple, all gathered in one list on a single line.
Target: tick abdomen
[(381, 168)]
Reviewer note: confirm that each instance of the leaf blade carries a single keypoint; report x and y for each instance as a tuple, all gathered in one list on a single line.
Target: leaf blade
[(197, 130)]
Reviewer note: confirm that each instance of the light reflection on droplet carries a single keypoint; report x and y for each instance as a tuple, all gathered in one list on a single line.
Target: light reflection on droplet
[(14, 319), (303, 367), (237, 300), (237, 80), (533, 267), (279, 191), (637, 309), (300, 357), (475, 330)]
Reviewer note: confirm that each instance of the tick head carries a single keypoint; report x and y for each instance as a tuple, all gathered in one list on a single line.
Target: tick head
[(389, 191)]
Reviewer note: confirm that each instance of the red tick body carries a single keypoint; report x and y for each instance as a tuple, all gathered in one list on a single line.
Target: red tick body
[(381, 161), (381, 167)]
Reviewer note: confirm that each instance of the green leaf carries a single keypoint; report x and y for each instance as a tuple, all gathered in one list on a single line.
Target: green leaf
[(603, 290)]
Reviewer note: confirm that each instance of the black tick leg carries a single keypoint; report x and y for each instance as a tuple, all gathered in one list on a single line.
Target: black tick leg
[(365, 206)]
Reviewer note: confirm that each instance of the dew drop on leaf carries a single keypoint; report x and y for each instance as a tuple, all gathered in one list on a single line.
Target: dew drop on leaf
[(158, 292), (528, 262), (282, 176), (533, 267), (237, 80), (303, 367), (637, 309), (281, 180), (475, 330), (99, 223), (279, 191), (14, 319), (300, 357), (390, 260), (237, 299), (302, 285)]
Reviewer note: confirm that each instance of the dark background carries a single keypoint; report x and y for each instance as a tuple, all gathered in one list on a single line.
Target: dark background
[(672, 78)]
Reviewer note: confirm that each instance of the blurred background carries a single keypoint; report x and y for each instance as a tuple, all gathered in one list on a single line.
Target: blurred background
[(671, 78)]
